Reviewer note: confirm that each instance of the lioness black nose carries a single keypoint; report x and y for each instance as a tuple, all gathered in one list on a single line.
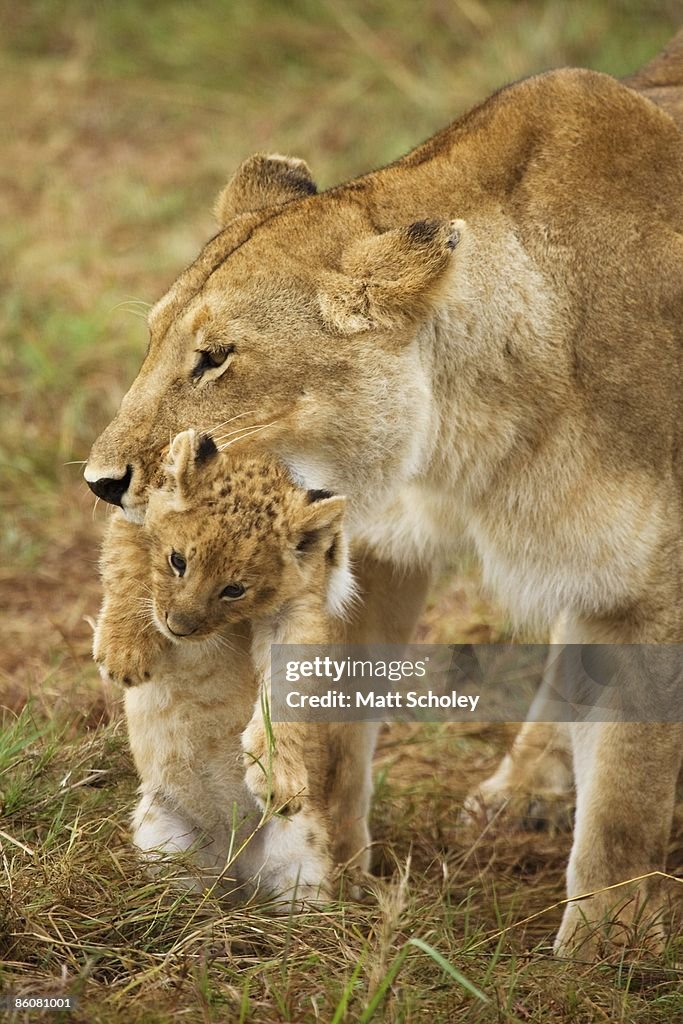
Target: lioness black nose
[(111, 488)]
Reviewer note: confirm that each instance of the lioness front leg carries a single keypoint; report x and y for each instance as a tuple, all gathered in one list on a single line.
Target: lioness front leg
[(126, 643), (626, 787), (350, 794)]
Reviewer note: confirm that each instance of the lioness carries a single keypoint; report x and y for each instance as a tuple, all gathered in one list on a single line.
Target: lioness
[(484, 336), (232, 557)]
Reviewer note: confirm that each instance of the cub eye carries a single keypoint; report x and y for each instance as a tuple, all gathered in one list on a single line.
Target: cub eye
[(233, 591), (177, 562), (211, 360)]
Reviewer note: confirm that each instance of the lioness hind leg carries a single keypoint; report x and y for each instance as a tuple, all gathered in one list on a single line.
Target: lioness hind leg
[(626, 777), (532, 788)]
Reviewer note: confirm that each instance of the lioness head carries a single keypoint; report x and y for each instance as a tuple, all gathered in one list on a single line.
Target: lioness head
[(233, 539), (294, 329)]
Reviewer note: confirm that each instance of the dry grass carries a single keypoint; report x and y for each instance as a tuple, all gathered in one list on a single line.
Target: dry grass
[(122, 121)]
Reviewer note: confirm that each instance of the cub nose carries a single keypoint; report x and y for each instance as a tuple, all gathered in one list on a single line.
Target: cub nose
[(111, 488), (181, 625)]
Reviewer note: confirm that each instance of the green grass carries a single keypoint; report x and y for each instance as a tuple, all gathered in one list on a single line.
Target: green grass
[(425, 943), (122, 121)]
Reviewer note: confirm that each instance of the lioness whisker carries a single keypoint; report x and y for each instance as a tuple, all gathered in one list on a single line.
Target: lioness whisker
[(238, 430), (256, 430), (131, 302), (239, 415)]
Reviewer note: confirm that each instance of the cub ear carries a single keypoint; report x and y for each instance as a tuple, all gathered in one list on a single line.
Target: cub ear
[(189, 450), (262, 181), (322, 518), (391, 278)]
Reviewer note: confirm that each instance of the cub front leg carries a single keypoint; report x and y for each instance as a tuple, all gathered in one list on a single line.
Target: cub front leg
[(126, 643)]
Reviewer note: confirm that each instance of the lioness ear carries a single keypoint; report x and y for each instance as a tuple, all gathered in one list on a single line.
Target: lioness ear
[(188, 450), (263, 181), (391, 277)]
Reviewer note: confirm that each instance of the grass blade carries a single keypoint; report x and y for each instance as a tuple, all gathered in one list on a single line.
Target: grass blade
[(448, 968), (346, 994), (369, 1011)]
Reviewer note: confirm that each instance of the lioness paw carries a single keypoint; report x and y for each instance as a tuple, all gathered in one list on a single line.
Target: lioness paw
[(501, 808), (608, 928), (529, 791)]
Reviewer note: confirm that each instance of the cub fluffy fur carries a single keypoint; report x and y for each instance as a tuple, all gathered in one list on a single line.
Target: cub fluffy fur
[(483, 337), (232, 556)]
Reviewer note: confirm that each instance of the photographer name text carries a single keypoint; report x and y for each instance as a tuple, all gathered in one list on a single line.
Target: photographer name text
[(391, 699)]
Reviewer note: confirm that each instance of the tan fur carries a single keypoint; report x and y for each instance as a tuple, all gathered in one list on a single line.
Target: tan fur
[(235, 520), (485, 335), (661, 80)]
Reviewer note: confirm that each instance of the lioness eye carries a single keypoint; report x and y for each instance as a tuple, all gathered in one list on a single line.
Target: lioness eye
[(177, 562), (233, 591), (211, 360)]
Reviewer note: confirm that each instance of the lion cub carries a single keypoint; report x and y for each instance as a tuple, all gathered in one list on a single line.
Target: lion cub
[(232, 556)]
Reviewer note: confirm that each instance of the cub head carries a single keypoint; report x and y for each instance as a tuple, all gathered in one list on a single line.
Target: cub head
[(233, 539), (296, 330)]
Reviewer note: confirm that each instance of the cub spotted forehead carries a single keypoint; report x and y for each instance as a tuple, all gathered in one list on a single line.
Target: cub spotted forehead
[(253, 494), (197, 471)]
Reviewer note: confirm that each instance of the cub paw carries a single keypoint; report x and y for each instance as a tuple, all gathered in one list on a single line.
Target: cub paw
[(123, 664), (275, 779)]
